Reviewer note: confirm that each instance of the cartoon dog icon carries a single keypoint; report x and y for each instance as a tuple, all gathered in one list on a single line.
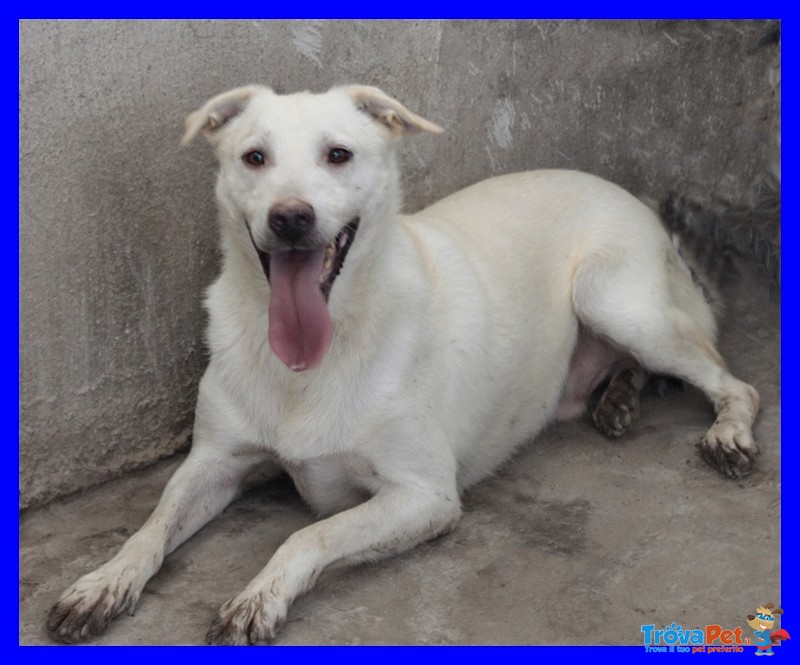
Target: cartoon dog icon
[(762, 623)]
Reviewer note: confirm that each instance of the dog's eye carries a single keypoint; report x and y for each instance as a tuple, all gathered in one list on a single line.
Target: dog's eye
[(254, 158), (339, 155)]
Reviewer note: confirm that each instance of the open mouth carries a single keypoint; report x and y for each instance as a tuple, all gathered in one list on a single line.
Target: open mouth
[(300, 326), (335, 254)]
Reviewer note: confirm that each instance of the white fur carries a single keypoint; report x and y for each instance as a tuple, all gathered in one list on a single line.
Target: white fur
[(453, 334)]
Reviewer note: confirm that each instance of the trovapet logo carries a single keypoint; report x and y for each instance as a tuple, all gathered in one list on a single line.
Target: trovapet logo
[(713, 638), (675, 638)]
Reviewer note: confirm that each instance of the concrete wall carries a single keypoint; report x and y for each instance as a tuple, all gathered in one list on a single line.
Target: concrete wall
[(117, 225)]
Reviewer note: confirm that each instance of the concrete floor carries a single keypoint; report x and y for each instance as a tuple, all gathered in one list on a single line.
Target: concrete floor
[(578, 540)]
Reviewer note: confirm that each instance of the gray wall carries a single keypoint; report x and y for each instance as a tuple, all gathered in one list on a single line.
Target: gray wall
[(117, 225)]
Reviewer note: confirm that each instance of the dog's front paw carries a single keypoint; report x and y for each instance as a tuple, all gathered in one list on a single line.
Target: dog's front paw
[(86, 608), (247, 619), (729, 447)]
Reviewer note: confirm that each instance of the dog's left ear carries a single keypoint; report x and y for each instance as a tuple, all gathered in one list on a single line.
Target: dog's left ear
[(388, 111)]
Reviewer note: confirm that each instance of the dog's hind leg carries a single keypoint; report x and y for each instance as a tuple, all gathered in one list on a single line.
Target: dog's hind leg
[(593, 361), (649, 307)]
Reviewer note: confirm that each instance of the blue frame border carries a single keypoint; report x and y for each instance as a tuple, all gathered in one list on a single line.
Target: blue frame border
[(789, 359)]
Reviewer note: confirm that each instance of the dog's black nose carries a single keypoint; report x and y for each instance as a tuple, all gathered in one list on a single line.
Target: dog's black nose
[(291, 219)]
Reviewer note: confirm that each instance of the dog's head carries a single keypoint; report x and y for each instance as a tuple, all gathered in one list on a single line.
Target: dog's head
[(303, 173)]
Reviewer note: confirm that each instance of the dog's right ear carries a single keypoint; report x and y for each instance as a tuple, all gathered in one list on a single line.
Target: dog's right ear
[(216, 112)]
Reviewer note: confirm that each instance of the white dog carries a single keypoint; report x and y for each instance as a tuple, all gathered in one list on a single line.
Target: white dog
[(387, 362)]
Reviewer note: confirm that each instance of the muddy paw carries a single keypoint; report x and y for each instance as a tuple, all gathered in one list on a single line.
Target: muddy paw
[(247, 619), (616, 411), (729, 447), (86, 608)]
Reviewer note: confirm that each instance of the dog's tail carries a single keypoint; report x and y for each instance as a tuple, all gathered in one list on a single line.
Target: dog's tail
[(708, 238)]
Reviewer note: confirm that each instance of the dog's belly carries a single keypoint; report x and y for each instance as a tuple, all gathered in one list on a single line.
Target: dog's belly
[(502, 256), (503, 354)]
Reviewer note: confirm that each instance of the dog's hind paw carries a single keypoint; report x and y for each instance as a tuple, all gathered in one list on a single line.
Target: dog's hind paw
[(87, 607), (618, 407), (729, 447), (247, 619)]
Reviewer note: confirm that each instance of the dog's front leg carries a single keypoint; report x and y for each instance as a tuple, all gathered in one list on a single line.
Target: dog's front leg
[(203, 485), (395, 519)]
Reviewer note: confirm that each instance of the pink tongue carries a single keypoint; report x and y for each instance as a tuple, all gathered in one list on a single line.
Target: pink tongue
[(300, 327)]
